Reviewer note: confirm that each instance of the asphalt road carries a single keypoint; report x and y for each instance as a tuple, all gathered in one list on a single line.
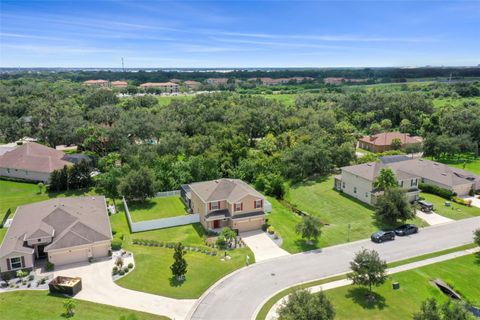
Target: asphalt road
[(238, 295)]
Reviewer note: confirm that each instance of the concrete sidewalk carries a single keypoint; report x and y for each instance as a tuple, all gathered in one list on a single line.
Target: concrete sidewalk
[(272, 314)]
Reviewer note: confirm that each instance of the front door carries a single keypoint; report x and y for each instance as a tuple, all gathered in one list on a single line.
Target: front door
[(41, 252), (216, 224)]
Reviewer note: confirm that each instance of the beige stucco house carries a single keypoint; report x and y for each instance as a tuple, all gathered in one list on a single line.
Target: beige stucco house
[(226, 203), (32, 161), (357, 181), (62, 230)]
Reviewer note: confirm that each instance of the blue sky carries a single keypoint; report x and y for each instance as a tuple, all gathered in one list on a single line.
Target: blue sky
[(239, 33)]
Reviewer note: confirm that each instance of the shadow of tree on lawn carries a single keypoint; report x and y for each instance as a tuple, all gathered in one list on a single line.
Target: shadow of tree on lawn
[(363, 298)]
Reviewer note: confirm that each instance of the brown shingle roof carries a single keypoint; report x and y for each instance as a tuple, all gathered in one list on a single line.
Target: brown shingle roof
[(386, 138), (157, 84), (223, 189), (34, 157), (75, 221)]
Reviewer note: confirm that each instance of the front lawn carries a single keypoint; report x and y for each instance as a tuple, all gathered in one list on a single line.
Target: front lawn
[(39, 305), (152, 264), (455, 211), (415, 287), (346, 218), (157, 208)]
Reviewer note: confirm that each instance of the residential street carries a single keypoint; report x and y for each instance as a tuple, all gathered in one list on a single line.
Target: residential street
[(239, 296)]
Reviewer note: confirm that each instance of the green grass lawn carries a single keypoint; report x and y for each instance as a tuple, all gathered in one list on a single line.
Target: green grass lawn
[(152, 272), (415, 287), (14, 194), (39, 305), (455, 211), (157, 208), (336, 210), (465, 161)]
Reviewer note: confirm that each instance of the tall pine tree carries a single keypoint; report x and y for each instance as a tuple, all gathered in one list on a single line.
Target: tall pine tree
[(179, 266)]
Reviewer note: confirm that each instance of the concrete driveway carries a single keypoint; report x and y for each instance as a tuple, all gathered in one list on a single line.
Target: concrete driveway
[(98, 286), (262, 245), (432, 218), (237, 296)]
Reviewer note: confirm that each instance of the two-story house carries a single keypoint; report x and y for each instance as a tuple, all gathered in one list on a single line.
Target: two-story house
[(226, 203), (358, 181)]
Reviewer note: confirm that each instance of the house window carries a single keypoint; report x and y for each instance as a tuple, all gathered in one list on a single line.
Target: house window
[(354, 189), (214, 205), (366, 194), (238, 206), (411, 183), (401, 183), (343, 185), (258, 204), (8, 170), (16, 263)]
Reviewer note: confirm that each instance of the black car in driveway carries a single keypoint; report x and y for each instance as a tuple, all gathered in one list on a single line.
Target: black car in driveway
[(383, 235), (406, 229)]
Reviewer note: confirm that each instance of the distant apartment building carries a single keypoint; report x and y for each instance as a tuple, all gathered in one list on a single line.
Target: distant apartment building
[(119, 84), (165, 86), (217, 81), (383, 141), (97, 83), (192, 85), (333, 81)]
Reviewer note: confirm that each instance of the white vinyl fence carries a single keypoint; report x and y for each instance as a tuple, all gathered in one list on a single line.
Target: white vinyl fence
[(167, 194), (159, 223)]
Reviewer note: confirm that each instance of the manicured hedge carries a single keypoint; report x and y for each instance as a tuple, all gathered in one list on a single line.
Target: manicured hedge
[(433, 189), (116, 244)]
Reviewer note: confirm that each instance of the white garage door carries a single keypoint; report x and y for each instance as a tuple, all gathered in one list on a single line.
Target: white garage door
[(69, 257)]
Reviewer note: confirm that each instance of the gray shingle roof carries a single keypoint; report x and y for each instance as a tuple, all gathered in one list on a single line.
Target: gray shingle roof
[(75, 221), (223, 189)]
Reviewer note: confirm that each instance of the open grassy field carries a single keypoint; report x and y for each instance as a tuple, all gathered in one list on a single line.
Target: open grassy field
[(455, 211), (39, 305), (443, 102), (166, 100), (415, 287), (466, 161), (157, 208), (152, 272), (346, 218)]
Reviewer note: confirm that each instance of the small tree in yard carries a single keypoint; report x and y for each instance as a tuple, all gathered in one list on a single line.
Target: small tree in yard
[(393, 206), (229, 235), (309, 228), (179, 266), (69, 306), (368, 269), (385, 180), (396, 144), (476, 237), (303, 305)]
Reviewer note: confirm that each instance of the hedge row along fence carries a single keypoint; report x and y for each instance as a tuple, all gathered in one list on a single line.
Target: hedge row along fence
[(433, 189), (171, 245)]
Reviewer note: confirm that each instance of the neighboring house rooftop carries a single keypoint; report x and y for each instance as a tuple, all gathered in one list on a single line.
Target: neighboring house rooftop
[(223, 189), (406, 169), (394, 158), (95, 82), (34, 157), (70, 221), (386, 138)]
